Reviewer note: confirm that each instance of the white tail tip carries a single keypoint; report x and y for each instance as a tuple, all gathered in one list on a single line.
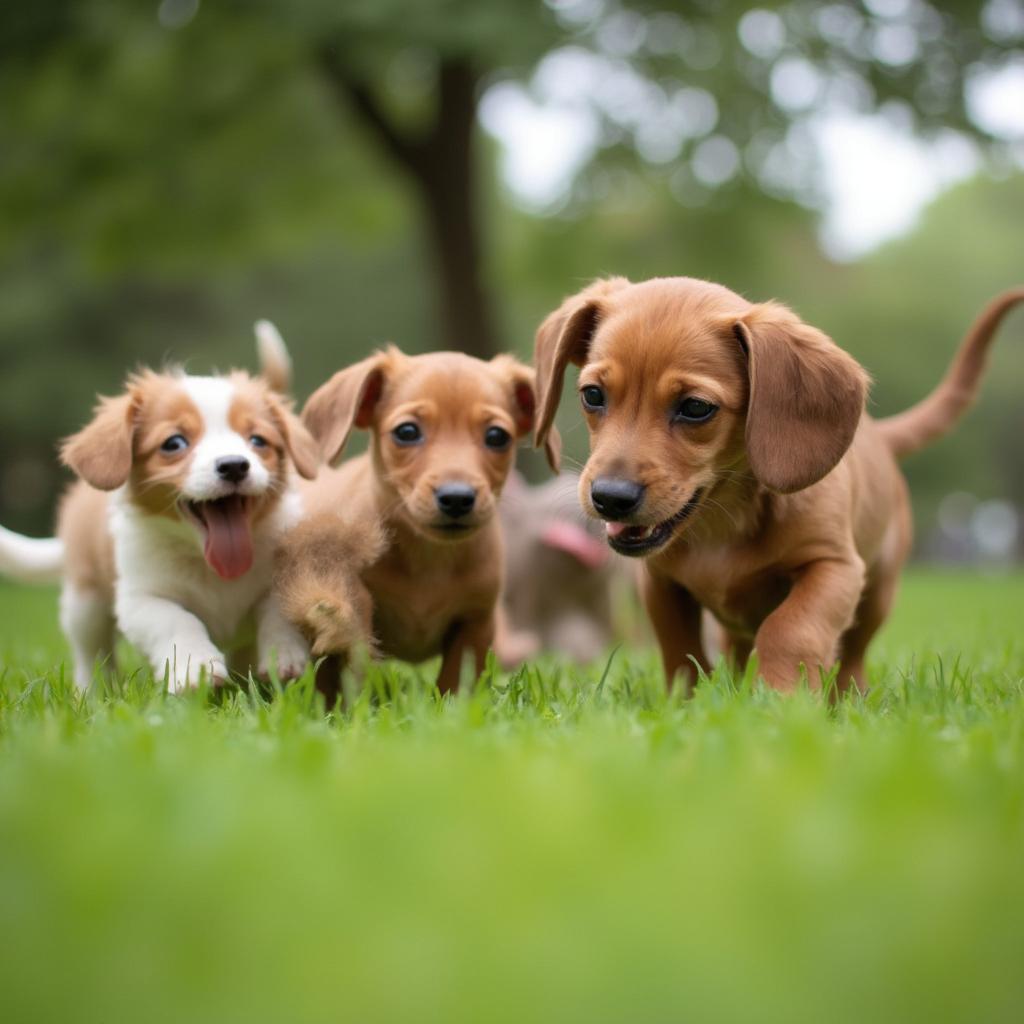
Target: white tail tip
[(275, 362), (31, 559)]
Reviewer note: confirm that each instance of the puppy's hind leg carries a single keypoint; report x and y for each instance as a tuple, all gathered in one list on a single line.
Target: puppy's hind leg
[(87, 618), (873, 610), (875, 602)]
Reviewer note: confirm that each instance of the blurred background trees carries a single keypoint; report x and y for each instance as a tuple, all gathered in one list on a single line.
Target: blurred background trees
[(376, 169)]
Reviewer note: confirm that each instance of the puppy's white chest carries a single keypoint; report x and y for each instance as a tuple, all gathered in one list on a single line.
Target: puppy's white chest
[(220, 604), (165, 559)]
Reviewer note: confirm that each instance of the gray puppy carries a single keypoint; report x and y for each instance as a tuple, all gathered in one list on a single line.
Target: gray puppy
[(559, 574)]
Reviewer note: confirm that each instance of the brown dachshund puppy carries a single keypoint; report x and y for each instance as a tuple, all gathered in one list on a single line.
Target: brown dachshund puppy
[(731, 450), (443, 433)]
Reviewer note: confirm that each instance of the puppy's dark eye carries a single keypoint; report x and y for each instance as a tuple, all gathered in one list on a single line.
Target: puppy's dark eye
[(593, 397), (695, 410), (497, 438), (175, 443), (258, 441), (407, 433)]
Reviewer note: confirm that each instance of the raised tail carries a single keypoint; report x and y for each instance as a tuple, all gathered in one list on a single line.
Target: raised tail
[(933, 416), (31, 559), (275, 362)]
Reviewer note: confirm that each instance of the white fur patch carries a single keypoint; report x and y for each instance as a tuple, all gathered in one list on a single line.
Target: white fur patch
[(213, 396)]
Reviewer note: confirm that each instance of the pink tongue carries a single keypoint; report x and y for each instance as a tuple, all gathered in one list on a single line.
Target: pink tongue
[(574, 540), (228, 540), (633, 532)]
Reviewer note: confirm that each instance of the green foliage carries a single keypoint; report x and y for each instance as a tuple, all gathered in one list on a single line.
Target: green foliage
[(163, 187), (901, 311), (206, 147), (541, 848), (216, 134), (905, 308)]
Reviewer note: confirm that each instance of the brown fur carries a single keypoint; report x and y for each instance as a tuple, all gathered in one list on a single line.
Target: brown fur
[(316, 578), (433, 591), (799, 518), (89, 549)]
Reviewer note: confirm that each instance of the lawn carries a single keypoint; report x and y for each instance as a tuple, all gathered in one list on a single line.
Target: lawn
[(548, 847)]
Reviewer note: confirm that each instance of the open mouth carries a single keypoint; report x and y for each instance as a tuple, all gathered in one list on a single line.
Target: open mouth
[(224, 524), (454, 528), (641, 540)]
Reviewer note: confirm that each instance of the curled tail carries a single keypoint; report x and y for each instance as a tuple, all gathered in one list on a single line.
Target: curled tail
[(31, 559), (275, 362), (934, 415)]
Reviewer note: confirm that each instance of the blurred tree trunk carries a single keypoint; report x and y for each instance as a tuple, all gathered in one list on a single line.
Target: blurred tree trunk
[(440, 163)]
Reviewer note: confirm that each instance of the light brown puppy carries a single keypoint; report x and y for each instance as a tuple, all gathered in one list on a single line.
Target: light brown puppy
[(443, 429), (731, 450)]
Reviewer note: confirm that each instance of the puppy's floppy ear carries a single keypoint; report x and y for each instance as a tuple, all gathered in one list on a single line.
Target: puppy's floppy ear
[(303, 450), (101, 453), (523, 382), (806, 398), (347, 400), (564, 337)]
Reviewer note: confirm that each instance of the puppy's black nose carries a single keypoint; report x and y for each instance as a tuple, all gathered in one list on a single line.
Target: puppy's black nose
[(233, 468), (455, 500), (615, 498)]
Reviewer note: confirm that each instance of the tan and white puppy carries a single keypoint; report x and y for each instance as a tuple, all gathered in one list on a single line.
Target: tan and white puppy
[(186, 485)]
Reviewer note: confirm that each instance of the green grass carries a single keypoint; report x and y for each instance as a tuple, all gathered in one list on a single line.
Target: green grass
[(541, 849)]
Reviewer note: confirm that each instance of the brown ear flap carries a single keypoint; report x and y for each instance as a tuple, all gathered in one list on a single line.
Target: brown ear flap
[(101, 453), (564, 337), (523, 381), (347, 400), (304, 451), (806, 398)]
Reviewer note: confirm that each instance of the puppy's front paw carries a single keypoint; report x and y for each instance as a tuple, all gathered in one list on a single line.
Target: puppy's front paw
[(289, 655), (186, 668), (335, 627), (281, 645)]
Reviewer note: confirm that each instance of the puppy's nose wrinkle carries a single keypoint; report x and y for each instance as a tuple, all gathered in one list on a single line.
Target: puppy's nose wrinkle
[(454, 499), (232, 468), (614, 497)]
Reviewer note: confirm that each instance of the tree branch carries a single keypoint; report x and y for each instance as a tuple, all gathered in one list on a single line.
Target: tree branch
[(355, 94)]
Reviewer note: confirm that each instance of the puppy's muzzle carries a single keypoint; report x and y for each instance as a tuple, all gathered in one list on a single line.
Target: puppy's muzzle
[(616, 498), (232, 468), (455, 500)]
